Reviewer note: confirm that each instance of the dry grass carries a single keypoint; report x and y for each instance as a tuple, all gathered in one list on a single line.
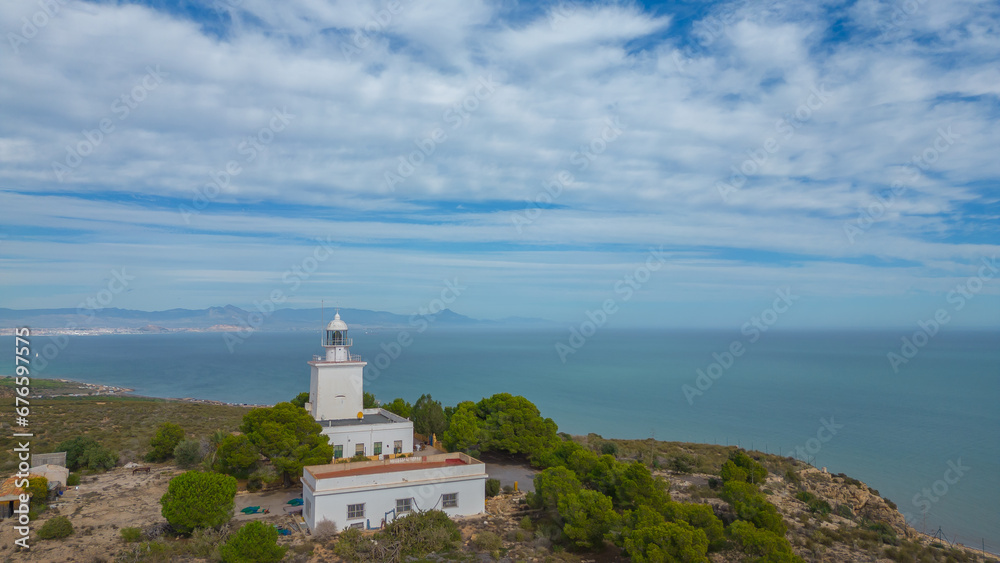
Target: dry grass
[(123, 424)]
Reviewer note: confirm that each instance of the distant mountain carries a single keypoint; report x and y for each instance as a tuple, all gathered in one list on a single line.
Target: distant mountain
[(230, 317)]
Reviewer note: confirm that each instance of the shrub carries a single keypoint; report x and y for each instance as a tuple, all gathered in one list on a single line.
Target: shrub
[(609, 448), (487, 541), (187, 453), (767, 545), (324, 529), (255, 542), (254, 484), (844, 511), (667, 541), (492, 487), (131, 534), (73, 480), (38, 488), (198, 500), (56, 528), (162, 444), (527, 524)]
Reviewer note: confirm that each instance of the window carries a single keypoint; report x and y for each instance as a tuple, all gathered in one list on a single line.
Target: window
[(404, 505), (449, 500), (397, 447), (308, 510), (359, 449), (358, 526), (377, 448), (338, 452), (355, 511)]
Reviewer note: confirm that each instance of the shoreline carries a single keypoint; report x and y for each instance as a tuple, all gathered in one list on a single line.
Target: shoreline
[(98, 390)]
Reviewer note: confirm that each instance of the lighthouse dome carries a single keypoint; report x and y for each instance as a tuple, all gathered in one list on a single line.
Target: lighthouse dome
[(336, 323)]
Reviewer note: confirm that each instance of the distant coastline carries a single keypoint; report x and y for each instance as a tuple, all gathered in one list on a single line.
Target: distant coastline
[(56, 388)]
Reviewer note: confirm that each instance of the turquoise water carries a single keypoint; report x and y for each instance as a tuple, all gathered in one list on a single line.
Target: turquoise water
[(898, 432)]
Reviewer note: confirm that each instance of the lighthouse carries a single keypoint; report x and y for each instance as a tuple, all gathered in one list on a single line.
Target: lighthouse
[(336, 380), (336, 401)]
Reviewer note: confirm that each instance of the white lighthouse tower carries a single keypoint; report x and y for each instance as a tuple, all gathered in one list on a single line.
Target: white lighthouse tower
[(336, 381), (336, 401)]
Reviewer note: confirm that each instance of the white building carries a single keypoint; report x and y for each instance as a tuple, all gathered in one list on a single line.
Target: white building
[(368, 494), (336, 400)]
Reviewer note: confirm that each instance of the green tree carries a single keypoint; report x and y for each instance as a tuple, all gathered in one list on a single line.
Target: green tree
[(255, 542), (751, 505), (301, 399), (588, 517), (742, 467), (551, 485), (38, 488), (75, 449), (514, 424), (399, 406), (666, 542), (238, 455), (368, 400), (503, 422), (287, 436), (763, 544), (198, 500), (188, 453), (162, 444), (700, 516), (464, 431), (428, 417)]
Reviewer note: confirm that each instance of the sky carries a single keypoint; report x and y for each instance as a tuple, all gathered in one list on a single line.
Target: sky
[(684, 165)]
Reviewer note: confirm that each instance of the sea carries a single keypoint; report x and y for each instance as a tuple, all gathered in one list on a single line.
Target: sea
[(925, 432)]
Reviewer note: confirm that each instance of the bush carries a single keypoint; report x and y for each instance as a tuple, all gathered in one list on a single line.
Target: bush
[(254, 484), (86, 453), (609, 448), (188, 453), (198, 500), (162, 444), (56, 528), (38, 488), (73, 480), (255, 542), (324, 529), (492, 487), (770, 547), (130, 535), (487, 541), (844, 511)]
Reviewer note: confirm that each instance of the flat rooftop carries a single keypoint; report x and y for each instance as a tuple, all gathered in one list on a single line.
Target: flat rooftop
[(380, 467), (371, 416)]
